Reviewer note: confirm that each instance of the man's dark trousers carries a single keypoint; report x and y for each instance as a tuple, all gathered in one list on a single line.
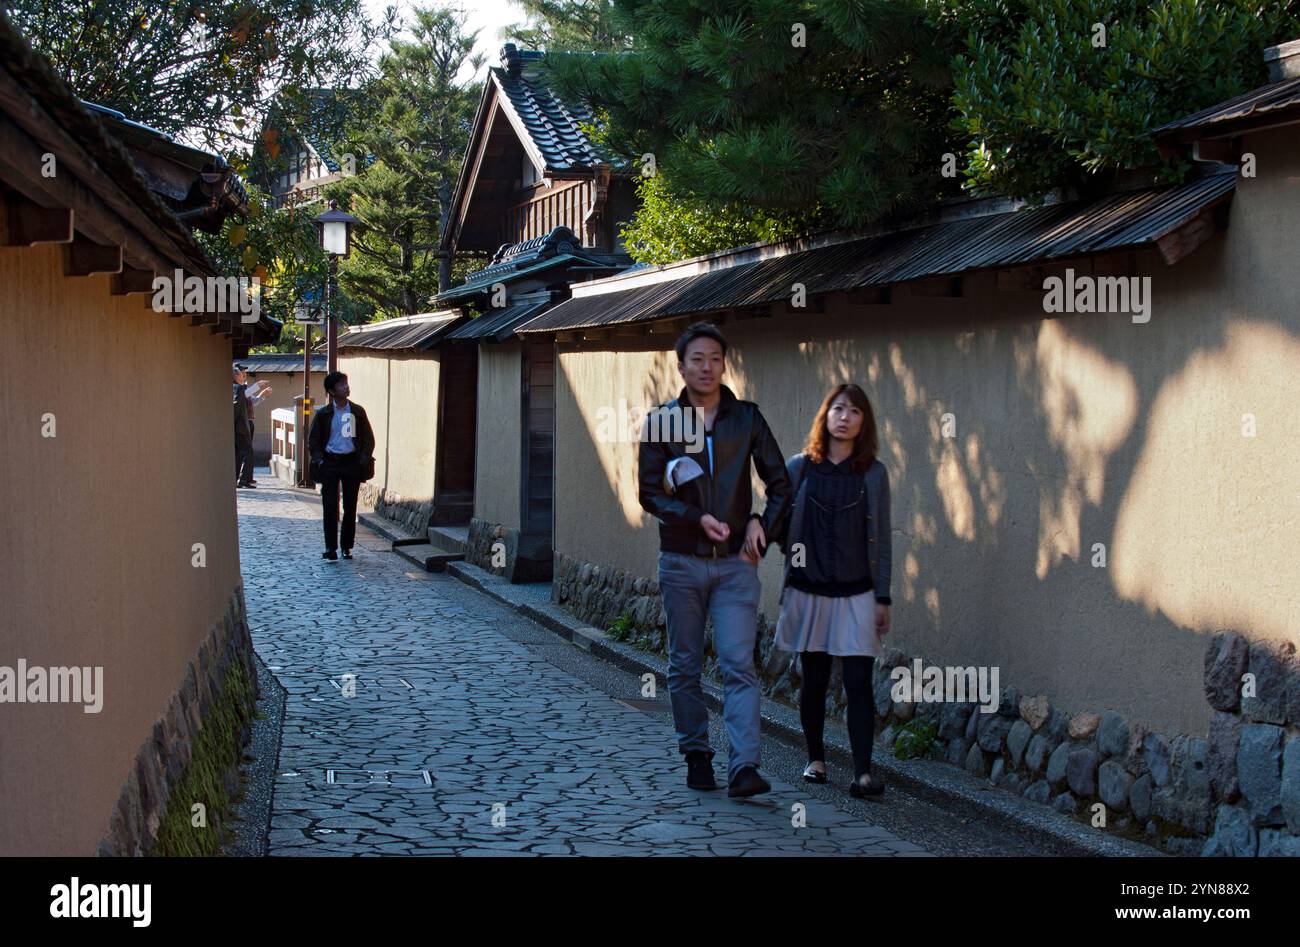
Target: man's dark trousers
[(243, 456), (245, 474), (243, 433), (340, 472)]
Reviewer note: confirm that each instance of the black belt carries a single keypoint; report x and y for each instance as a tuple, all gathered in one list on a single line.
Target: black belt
[(350, 453)]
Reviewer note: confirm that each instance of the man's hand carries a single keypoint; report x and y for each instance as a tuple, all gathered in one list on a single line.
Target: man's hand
[(882, 619), (755, 542), (716, 531)]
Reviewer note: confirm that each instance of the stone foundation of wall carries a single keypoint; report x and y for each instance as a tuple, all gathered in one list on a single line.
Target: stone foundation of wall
[(479, 547), (165, 758), (1233, 792), (410, 514), (495, 547)]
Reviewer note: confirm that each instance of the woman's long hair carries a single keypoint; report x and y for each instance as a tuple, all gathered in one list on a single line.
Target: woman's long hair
[(866, 443)]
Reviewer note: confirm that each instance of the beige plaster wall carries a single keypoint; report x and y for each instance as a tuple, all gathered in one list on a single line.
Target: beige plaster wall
[(400, 395), (1068, 432), (99, 523), (496, 464)]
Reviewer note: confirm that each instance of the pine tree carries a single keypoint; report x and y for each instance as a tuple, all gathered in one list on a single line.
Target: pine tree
[(835, 109), (410, 140), (580, 25)]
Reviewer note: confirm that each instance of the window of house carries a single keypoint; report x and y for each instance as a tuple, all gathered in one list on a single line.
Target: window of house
[(528, 175)]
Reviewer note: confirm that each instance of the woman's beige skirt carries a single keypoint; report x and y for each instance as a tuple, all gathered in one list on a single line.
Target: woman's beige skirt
[(844, 625)]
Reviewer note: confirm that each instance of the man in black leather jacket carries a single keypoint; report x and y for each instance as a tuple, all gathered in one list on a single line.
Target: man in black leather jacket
[(694, 475)]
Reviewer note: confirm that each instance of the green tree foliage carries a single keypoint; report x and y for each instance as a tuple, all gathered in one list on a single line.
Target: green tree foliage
[(205, 69), (832, 110), (668, 227), (1043, 104), (580, 25), (413, 131), (282, 249)]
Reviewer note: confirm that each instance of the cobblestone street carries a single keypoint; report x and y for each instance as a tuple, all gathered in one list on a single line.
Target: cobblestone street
[(465, 736)]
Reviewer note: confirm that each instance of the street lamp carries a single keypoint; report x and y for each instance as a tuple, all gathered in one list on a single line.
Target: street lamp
[(334, 228), (305, 317)]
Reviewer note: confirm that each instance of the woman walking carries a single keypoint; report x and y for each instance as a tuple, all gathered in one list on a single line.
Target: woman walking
[(835, 602)]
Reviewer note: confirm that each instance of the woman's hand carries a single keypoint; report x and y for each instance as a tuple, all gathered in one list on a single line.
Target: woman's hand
[(882, 619)]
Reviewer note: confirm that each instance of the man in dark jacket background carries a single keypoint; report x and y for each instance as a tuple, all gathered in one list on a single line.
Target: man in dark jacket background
[(243, 426), (694, 476), (342, 450)]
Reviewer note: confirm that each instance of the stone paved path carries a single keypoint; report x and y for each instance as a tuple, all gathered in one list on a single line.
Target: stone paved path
[(464, 740)]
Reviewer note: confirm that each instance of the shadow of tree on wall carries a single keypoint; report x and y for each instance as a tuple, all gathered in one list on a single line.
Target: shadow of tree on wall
[(1056, 429)]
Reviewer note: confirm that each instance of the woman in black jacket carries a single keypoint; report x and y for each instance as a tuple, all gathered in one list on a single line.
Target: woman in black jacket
[(835, 601)]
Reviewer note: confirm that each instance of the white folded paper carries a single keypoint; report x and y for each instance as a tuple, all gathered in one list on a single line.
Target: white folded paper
[(679, 471)]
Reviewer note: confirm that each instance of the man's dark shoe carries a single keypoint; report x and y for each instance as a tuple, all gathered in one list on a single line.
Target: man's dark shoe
[(347, 553), (748, 783), (699, 770), (329, 554)]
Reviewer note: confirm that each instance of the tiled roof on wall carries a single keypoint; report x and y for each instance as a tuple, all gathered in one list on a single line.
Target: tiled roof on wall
[(497, 325), (737, 279), (273, 362), (97, 180), (411, 333), (1275, 104)]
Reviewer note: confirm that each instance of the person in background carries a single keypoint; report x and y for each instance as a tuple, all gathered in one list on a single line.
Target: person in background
[(342, 452), (256, 392), (243, 430), (835, 600)]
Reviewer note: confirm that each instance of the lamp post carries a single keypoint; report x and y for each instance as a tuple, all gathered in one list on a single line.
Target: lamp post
[(334, 227), (302, 311)]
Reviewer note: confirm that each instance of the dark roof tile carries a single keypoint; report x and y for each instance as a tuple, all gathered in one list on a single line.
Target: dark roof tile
[(1014, 238), (412, 333), (1276, 103)]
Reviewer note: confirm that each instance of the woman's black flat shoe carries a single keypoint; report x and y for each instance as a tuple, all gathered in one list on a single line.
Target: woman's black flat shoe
[(873, 788), (811, 775)]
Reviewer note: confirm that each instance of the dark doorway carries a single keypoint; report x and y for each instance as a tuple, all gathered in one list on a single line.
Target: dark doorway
[(453, 493), (538, 480)]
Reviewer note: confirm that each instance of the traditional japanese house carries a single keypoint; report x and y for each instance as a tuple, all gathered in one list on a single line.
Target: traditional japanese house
[(294, 158), (539, 202)]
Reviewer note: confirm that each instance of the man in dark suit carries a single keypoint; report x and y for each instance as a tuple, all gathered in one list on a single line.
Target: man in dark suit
[(243, 427), (342, 450)]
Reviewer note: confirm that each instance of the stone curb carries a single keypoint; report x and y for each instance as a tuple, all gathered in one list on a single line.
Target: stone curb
[(931, 781), (386, 527)]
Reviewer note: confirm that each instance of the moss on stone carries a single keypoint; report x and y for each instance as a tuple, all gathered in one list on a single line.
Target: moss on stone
[(216, 752)]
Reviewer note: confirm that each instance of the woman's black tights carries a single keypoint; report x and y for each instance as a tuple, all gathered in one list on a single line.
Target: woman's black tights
[(816, 667)]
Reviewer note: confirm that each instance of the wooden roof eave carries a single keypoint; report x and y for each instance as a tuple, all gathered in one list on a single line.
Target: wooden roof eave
[(469, 168), (102, 211), (1173, 143), (521, 130), (96, 204), (495, 101)]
